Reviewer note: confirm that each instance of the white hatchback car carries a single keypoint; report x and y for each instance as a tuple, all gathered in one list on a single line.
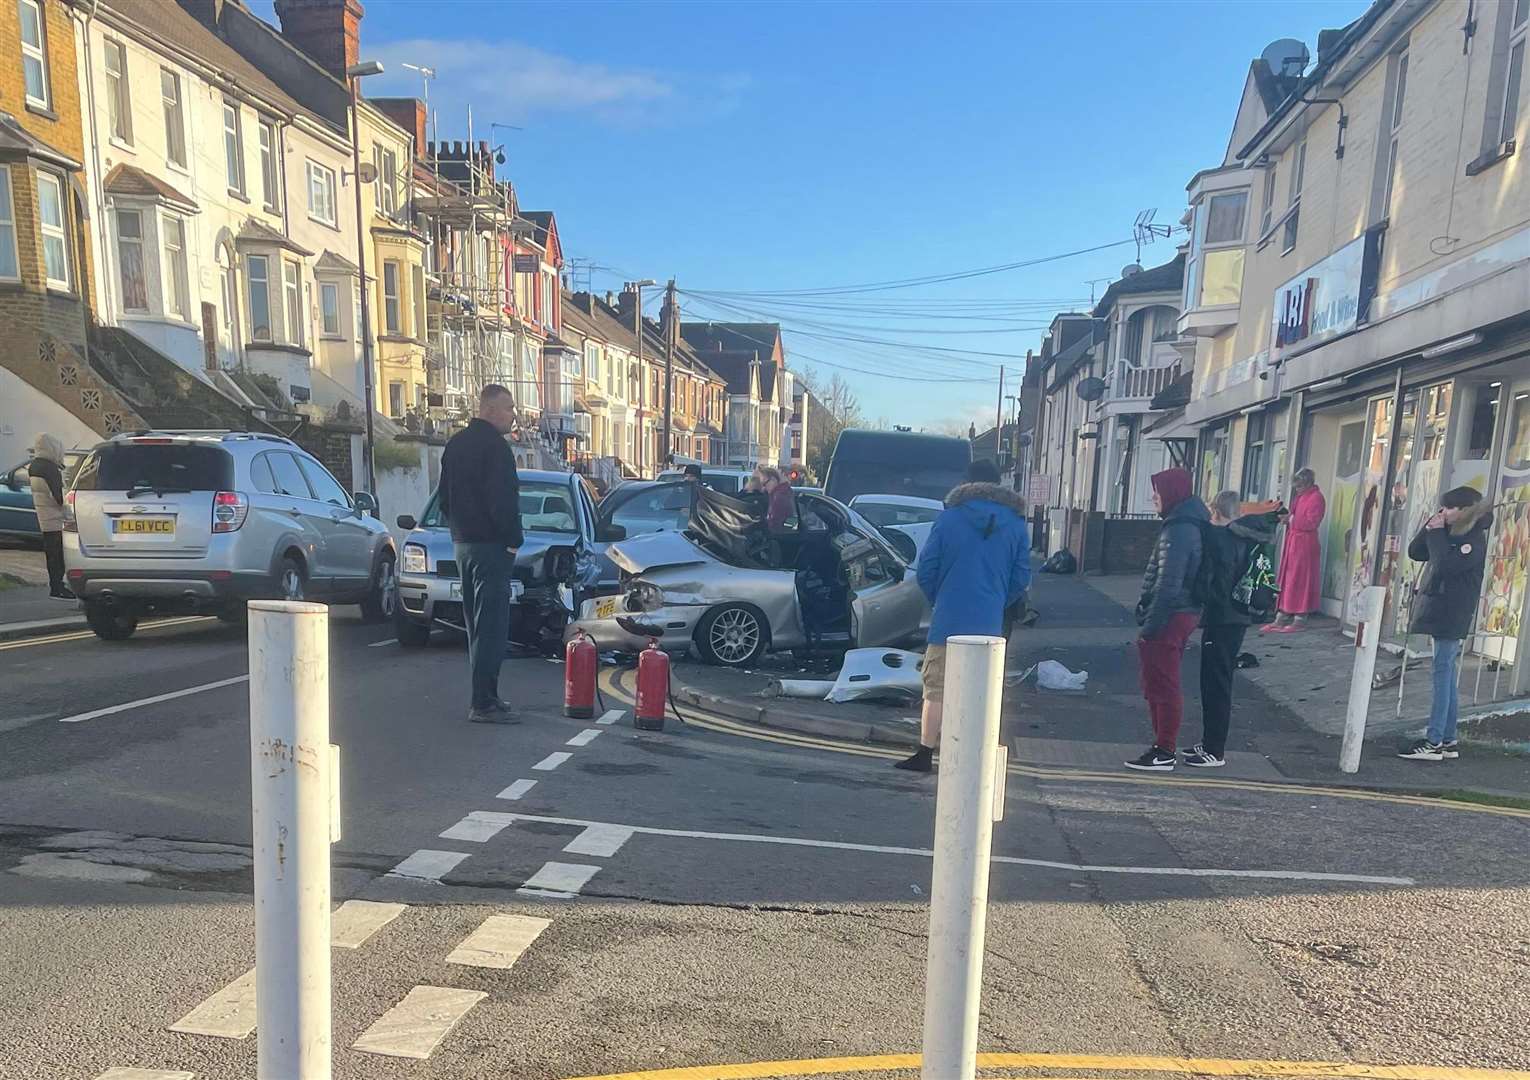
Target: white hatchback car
[(909, 514)]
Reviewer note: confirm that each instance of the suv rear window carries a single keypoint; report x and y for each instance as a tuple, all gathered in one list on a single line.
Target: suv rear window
[(157, 467)]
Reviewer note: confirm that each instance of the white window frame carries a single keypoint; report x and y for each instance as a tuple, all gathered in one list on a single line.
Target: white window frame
[(233, 147), (270, 165), (265, 289), (1291, 220), (330, 288), (174, 109), (325, 176), (8, 223), (417, 294), (393, 308), (37, 52), (1267, 211), (123, 243), (1514, 82), (59, 232), (292, 301), (119, 92), (176, 287), (385, 186)]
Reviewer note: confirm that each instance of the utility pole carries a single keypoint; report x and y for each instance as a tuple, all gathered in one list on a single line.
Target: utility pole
[(998, 420), (671, 328), (354, 74), (637, 328)]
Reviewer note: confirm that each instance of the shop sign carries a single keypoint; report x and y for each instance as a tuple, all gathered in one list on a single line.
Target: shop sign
[(1321, 302), (527, 264)]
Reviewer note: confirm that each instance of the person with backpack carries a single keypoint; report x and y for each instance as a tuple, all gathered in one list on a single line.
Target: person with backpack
[(1452, 545), (1240, 591), (975, 564), (1168, 611)]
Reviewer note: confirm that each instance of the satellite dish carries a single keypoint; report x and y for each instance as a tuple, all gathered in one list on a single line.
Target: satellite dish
[(1025, 438), (1287, 58), (1091, 389), (1129, 269), (367, 172)]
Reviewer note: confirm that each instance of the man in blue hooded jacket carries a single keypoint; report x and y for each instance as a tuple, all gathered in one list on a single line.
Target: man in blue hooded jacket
[(975, 563)]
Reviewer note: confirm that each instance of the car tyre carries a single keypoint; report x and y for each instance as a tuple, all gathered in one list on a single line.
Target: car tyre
[(410, 634), (732, 635), (234, 613), (378, 605), (110, 624)]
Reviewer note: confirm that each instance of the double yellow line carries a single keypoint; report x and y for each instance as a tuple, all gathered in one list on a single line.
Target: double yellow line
[(615, 683), (85, 635)]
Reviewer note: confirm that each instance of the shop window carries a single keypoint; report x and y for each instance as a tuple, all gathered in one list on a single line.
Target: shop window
[(1254, 457), (1483, 423)]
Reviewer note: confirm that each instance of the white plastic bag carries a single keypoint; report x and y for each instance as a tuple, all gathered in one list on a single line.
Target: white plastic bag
[(1050, 675)]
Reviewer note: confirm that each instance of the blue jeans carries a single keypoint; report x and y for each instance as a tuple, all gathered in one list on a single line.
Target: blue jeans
[(485, 570), (1442, 715)]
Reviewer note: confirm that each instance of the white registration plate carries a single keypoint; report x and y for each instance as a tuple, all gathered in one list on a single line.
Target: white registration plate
[(144, 526), (516, 590), (456, 590), (605, 609)]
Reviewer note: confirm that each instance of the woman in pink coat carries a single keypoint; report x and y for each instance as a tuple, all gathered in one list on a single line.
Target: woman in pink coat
[(1300, 578)]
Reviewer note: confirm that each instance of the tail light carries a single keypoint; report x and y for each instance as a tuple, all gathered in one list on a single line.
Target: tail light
[(71, 524), (230, 508)]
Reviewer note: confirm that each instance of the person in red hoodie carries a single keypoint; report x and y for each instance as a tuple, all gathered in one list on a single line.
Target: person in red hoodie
[(782, 507), (1168, 611)]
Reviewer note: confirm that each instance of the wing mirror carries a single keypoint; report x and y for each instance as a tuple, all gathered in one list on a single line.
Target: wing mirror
[(407, 522), (902, 543), (611, 533), (365, 502)]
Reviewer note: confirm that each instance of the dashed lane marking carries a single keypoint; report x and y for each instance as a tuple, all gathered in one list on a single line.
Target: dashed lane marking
[(415, 1026), (560, 881), (584, 738), (926, 853), (601, 841), (427, 865), (228, 1014), (517, 790), (357, 920), (1202, 1067), (552, 761), (612, 716), (96, 714), (120, 1073), (383, 642), (498, 942), (474, 830)]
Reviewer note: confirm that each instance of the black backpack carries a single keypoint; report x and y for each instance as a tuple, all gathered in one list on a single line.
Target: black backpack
[(1254, 593)]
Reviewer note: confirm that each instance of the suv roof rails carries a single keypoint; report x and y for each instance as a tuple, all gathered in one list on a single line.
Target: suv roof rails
[(190, 432)]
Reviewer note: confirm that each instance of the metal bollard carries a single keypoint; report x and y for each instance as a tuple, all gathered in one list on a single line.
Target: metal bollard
[(290, 778), (965, 809), (1367, 639)]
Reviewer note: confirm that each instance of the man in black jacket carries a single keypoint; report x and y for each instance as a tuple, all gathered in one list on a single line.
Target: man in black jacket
[(480, 499), (1452, 545), (1229, 541)]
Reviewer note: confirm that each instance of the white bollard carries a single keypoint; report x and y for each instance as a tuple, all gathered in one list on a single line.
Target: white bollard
[(1367, 639), (964, 816), (290, 777)]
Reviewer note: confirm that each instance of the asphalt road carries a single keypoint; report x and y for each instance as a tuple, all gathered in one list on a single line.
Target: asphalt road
[(705, 930)]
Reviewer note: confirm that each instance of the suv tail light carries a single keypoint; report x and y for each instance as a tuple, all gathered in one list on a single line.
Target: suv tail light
[(71, 524), (229, 510)]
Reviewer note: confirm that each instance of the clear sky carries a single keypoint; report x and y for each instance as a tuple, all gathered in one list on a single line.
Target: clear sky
[(768, 147)]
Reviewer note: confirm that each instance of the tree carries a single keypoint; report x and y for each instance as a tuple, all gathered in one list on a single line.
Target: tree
[(837, 408)]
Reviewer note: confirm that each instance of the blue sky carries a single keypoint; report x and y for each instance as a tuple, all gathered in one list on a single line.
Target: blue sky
[(749, 148)]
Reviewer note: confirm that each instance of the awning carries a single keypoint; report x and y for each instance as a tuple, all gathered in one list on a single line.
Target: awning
[(1171, 425)]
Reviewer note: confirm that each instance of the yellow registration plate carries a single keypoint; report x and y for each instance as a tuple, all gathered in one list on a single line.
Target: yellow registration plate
[(606, 608), (143, 526)]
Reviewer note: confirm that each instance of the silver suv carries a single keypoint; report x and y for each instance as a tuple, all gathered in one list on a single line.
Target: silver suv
[(203, 521)]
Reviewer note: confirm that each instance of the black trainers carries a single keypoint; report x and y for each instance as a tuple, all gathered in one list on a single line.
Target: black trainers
[(1156, 759), (1424, 750), (918, 761), (1201, 758), (1450, 750), (498, 713), (63, 593)]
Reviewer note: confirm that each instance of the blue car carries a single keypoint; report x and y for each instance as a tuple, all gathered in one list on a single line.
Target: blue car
[(18, 518)]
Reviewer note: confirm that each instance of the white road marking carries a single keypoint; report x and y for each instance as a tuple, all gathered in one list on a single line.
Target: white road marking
[(601, 841), (880, 849), (427, 865), (561, 881), (357, 920), (415, 1026), (120, 1073), (584, 738), (155, 700), (228, 1014), (552, 761), (498, 942), (517, 789), (473, 830), (385, 641), (612, 717)]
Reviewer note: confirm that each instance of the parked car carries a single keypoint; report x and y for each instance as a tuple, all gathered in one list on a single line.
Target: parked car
[(554, 569), (727, 481), (909, 514), (203, 521), (18, 517), (723, 587), (896, 462)]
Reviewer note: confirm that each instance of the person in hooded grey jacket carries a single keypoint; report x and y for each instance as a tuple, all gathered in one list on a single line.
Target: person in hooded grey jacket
[(46, 472)]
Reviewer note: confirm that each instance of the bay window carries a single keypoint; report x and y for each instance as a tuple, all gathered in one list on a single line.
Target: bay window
[(392, 313), (50, 214), (10, 266), (292, 288)]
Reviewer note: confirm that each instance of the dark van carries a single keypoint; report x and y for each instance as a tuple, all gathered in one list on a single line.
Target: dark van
[(896, 463)]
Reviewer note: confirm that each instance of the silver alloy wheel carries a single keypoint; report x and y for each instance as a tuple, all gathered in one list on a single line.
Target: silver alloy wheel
[(292, 583), (387, 588), (734, 635)]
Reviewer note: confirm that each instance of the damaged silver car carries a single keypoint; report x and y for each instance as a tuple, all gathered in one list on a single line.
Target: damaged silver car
[(730, 591)]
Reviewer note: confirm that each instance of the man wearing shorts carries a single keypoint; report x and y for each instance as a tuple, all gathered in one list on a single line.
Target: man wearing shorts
[(975, 563)]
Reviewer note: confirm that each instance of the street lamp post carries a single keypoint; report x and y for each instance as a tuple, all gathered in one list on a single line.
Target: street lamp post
[(355, 73), (637, 326)]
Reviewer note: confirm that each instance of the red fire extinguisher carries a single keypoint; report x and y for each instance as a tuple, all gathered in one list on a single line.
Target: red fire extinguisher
[(579, 668), (652, 687)]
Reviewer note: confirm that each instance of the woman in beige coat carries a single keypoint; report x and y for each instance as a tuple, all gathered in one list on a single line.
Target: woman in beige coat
[(46, 470)]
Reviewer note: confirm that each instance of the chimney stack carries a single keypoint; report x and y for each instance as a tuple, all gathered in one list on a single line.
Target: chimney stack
[(409, 114), (626, 303), (208, 11), (329, 31)]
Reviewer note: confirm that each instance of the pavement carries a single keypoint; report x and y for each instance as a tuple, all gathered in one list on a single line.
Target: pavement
[(25, 608), (572, 899)]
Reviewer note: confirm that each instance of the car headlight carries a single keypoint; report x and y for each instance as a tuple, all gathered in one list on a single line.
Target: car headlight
[(645, 596), (414, 559)]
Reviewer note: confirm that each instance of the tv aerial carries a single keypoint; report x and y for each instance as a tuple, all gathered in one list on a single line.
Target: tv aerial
[(1145, 232)]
